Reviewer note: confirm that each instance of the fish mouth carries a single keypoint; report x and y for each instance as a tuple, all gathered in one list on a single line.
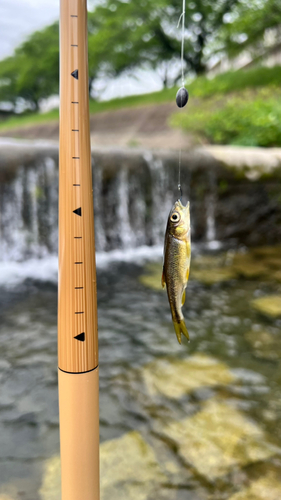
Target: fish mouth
[(179, 203)]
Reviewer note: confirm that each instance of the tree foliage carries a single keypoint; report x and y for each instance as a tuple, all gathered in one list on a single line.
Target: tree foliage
[(32, 73), (128, 34), (247, 26), (131, 33)]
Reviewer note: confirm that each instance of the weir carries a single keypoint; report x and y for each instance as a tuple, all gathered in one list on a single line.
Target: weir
[(133, 193)]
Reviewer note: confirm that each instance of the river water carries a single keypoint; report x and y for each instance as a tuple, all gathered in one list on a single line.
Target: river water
[(197, 421)]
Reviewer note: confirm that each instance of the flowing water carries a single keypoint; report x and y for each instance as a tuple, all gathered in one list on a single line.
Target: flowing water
[(199, 421), (205, 415)]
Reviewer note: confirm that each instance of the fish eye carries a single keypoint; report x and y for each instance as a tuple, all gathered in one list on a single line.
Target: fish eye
[(175, 217)]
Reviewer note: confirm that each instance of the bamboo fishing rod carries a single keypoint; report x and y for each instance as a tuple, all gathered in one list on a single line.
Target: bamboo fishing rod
[(77, 297)]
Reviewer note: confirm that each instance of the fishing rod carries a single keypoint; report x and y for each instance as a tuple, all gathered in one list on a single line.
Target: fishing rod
[(77, 297)]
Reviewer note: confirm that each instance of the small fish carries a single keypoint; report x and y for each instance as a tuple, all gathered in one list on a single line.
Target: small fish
[(177, 253)]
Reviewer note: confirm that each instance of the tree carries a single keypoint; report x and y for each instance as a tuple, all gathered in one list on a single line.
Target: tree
[(33, 72), (130, 34), (247, 26)]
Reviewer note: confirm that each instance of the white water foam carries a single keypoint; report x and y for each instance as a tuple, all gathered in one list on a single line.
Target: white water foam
[(46, 269)]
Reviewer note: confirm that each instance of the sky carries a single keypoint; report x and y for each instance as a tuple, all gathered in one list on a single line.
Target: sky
[(19, 18)]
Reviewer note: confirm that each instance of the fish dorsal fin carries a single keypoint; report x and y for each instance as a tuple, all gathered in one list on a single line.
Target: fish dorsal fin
[(163, 281), (183, 298)]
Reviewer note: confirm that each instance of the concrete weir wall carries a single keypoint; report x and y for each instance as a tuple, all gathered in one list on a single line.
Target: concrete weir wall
[(234, 193)]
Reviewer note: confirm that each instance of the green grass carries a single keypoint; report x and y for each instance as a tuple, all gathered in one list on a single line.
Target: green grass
[(202, 88), (234, 81), (28, 119), (250, 118)]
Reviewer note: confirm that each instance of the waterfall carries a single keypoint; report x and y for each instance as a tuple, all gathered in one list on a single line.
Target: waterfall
[(210, 219), (134, 191), (28, 211), (210, 204)]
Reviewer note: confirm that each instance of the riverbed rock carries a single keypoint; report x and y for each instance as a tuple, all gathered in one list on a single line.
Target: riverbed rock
[(265, 488), (51, 480), (249, 267), (208, 269), (212, 276), (217, 440), (152, 277), (13, 490), (175, 378), (265, 344), (269, 305), (267, 251), (129, 465)]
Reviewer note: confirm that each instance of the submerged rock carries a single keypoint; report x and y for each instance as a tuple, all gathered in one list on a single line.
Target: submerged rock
[(277, 276), (211, 269), (249, 267), (268, 251), (265, 344), (152, 280), (51, 482), (175, 378), (212, 276), (218, 439), (265, 488), (259, 263), (129, 469), (205, 268), (269, 305), (10, 491)]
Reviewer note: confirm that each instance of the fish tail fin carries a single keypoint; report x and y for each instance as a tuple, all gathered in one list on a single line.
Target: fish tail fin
[(179, 329)]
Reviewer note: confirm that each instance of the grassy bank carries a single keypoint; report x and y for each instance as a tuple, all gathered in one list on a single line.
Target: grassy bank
[(218, 107), (243, 110), (250, 118), (166, 95)]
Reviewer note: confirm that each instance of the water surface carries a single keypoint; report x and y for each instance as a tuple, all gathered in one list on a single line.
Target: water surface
[(230, 370)]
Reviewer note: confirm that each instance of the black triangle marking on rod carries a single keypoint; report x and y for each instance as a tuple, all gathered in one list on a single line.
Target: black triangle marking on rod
[(80, 337), (78, 211), (75, 74)]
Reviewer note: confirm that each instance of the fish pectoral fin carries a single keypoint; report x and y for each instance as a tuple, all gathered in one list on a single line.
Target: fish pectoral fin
[(179, 329), (163, 281), (187, 275), (183, 298)]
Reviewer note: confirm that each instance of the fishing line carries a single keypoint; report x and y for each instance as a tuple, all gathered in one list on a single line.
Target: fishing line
[(179, 182), (182, 94), (182, 18)]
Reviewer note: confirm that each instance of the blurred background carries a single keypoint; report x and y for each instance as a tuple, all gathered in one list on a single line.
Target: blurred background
[(199, 421)]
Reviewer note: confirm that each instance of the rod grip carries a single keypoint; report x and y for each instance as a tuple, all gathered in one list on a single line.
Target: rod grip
[(79, 435)]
